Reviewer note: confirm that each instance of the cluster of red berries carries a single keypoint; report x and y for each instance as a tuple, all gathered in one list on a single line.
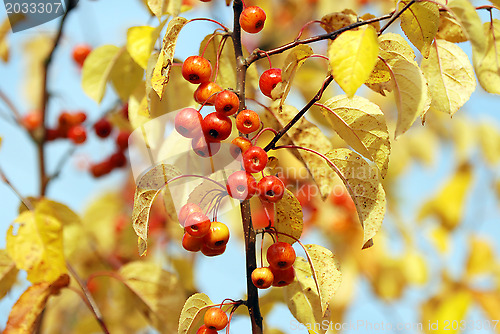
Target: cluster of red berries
[(200, 233), (103, 129), (215, 319), (281, 257), (70, 126)]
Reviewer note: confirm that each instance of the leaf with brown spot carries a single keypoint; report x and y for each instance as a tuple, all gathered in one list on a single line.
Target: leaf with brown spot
[(288, 217), (192, 313), (148, 187)]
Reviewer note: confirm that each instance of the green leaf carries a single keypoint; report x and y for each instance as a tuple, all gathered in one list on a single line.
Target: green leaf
[(192, 313), (159, 294), (361, 124), (326, 273), (288, 217), (8, 273), (420, 24), (37, 246), (163, 66), (302, 296), (450, 76), (96, 70), (362, 182), (353, 56), (148, 187)]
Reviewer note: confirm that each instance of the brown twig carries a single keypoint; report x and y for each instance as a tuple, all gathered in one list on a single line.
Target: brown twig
[(12, 107), (395, 16)]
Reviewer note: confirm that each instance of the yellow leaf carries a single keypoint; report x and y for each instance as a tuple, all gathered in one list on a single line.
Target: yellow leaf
[(422, 145), (464, 135), (141, 41), (8, 273), (304, 134), (288, 217), (4, 43), (125, 75), (326, 273), (162, 7), (420, 24), (449, 28), (26, 311), (489, 141), (448, 205), (450, 75), (148, 187), (471, 23), (389, 280), (96, 70), (361, 124), (37, 246), (296, 57), (302, 296), (414, 268), (362, 182), (441, 239), (192, 313), (159, 294), (352, 58), (481, 258), (36, 51), (163, 66), (55, 209), (487, 63), (490, 303), (397, 46), (335, 21)]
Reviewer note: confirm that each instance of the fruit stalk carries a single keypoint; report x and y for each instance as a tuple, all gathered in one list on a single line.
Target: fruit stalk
[(252, 302)]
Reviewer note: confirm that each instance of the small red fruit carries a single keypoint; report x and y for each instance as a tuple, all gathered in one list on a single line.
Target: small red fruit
[(226, 103), (103, 128), (254, 159), (80, 53), (206, 92), (280, 255), (204, 150), (203, 329), (215, 319), (122, 140), (197, 224), (216, 127), (218, 236), (52, 134), (247, 121), (241, 185), (118, 159), (271, 188), (283, 277), (207, 251), (32, 120), (186, 210), (79, 117), (188, 122), (191, 243), (262, 278), (77, 134), (101, 169), (239, 145), (252, 19), (268, 80), (196, 69)]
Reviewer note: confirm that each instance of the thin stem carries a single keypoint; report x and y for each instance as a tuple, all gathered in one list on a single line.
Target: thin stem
[(88, 296), (258, 54), (12, 107), (209, 20), (299, 115), (25, 201), (395, 16)]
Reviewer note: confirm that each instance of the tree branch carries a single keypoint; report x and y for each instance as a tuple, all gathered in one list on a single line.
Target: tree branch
[(26, 202), (252, 301)]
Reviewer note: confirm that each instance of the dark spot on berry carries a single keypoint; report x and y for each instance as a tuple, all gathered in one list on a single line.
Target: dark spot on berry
[(282, 264), (228, 107), (259, 24), (241, 188), (260, 282), (213, 133), (183, 130), (219, 243), (194, 77), (270, 193)]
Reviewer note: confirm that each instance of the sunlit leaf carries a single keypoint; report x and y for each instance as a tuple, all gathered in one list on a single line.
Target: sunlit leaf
[(448, 205), (48, 207), (450, 29), (302, 296), (37, 246), (35, 50), (489, 141), (192, 313), (471, 22), (326, 273), (159, 294), (362, 182), (293, 62), (450, 75), (352, 58), (148, 187), (487, 63), (335, 21), (141, 41), (125, 75), (26, 311), (481, 258), (362, 125), (163, 66), (420, 24), (288, 217), (489, 302), (415, 267), (8, 273)]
